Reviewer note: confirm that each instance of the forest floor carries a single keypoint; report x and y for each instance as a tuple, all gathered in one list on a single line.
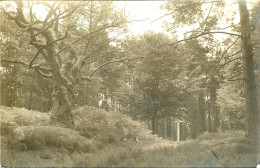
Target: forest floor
[(100, 138)]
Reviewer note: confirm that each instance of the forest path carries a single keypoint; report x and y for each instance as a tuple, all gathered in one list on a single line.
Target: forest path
[(156, 145)]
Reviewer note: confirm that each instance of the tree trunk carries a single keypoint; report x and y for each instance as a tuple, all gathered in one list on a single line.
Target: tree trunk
[(61, 100), (169, 128), (248, 68), (173, 131), (209, 117), (201, 108), (195, 123), (61, 105), (153, 124), (213, 106), (164, 128), (178, 131), (31, 95)]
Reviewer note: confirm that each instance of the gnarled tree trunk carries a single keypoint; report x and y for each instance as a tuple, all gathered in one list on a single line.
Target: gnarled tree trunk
[(61, 105)]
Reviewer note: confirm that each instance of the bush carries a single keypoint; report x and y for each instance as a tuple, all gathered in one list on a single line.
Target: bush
[(97, 124), (39, 137), (111, 127), (12, 118), (23, 117)]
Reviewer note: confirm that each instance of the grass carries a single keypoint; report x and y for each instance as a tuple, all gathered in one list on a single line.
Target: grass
[(29, 139), (230, 151)]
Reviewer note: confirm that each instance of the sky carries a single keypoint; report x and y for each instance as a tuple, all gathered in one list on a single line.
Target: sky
[(148, 11)]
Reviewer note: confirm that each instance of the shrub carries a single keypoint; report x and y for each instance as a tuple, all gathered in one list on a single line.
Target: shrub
[(39, 137), (23, 117)]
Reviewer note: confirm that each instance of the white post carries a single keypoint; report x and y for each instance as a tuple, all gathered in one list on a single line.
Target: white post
[(178, 131)]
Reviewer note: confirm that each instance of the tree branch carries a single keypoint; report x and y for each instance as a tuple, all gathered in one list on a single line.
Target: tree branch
[(224, 52), (85, 78), (43, 47), (113, 62), (15, 62), (37, 68), (235, 76), (233, 54), (86, 35), (202, 34), (230, 61), (236, 79), (207, 15), (42, 73), (175, 10), (52, 10), (95, 51), (21, 25)]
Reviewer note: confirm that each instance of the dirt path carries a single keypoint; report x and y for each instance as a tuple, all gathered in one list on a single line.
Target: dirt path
[(157, 145)]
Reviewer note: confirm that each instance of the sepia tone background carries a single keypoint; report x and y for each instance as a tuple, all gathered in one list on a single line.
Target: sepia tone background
[(107, 83)]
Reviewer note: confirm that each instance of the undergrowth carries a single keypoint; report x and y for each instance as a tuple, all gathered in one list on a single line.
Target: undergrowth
[(100, 138)]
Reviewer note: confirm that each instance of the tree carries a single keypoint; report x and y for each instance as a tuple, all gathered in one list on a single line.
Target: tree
[(206, 24), (248, 67), (165, 81), (55, 56)]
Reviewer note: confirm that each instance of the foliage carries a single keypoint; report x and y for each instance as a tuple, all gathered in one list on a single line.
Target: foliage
[(32, 133), (227, 146), (40, 137), (232, 105), (109, 127)]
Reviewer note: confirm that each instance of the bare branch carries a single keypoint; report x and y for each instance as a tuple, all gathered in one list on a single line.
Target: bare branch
[(95, 51), (207, 15), (56, 18), (234, 54), (51, 12), (229, 48), (43, 47), (87, 78), (44, 29), (230, 61), (230, 26), (236, 79), (20, 24), (20, 11), (167, 14), (223, 54), (113, 62), (42, 73), (187, 6), (15, 62), (86, 35), (202, 34), (235, 76), (71, 12), (37, 68)]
